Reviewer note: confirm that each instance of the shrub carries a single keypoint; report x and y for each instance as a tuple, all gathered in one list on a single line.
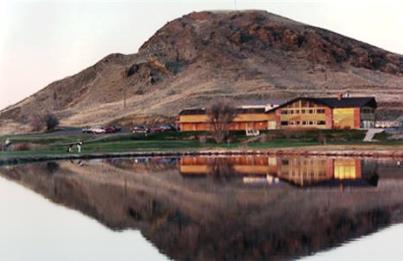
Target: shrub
[(21, 147), (202, 139), (51, 121), (47, 121), (322, 138), (263, 138)]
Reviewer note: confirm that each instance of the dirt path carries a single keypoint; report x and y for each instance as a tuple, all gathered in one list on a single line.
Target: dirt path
[(369, 137)]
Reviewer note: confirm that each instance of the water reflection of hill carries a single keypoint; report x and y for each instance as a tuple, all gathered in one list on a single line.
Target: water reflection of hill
[(205, 219)]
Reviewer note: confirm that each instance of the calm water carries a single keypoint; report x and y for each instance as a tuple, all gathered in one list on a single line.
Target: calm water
[(202, 208)]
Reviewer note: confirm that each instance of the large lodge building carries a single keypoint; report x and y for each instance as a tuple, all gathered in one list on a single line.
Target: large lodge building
[(299, 113)]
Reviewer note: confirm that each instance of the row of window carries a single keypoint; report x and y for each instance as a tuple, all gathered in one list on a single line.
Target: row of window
[(367, 110), (310, 111), (302, 104), (302, 123), (308, 174)]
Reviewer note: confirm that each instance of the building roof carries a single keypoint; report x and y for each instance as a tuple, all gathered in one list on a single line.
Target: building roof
[(193, 111), (260, 102), (345, 102), (201, 111), (332, 102), (335, 102)]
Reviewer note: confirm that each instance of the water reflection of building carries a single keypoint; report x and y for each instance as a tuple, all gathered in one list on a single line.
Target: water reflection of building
[(307, 171), (300, 171)]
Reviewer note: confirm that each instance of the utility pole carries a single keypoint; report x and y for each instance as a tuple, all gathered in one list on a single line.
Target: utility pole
[(124, 97)]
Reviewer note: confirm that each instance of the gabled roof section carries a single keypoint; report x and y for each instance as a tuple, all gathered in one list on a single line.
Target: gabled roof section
[(259, 102), (193, 111), (348, 102), (335, 102)]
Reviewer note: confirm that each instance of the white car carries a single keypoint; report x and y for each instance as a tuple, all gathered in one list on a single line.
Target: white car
[(98, 130), (94, 130)]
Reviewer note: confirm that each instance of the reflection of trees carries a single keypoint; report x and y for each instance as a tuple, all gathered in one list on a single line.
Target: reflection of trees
[(221, 169), (143, 163), (189, 221), (52, 167)]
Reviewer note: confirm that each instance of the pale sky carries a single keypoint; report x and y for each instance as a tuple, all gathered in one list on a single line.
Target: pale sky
[(44, 41)]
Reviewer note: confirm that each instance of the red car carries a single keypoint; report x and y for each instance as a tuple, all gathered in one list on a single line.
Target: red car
[(112, 129)]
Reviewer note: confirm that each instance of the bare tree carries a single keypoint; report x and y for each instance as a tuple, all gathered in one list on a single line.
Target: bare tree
[(36, 122), (221, 169), (221, 113)]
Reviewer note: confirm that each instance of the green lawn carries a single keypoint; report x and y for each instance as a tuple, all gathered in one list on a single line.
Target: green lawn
[(53, 144)]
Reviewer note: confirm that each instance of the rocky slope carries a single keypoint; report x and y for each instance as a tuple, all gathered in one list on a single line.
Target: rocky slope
[(203, 55)]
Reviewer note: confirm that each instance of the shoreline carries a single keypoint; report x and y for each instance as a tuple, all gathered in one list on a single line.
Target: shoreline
[(307, 151)]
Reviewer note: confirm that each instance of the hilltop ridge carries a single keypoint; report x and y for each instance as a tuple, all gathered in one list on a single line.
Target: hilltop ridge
[(203, 55)]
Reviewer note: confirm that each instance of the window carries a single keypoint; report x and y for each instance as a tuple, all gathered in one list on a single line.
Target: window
[(297, 123), (310, 111), (320, 110), (284, 112), (302, 111), (297, 111), (321, 123), (310, 122), (284, 123), (291, 111), (304, 123)]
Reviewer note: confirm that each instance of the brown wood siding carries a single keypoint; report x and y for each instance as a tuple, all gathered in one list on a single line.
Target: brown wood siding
[(257, 121), (357, 118), (193, 118), (303, 114), (329, 118), (194, 126)]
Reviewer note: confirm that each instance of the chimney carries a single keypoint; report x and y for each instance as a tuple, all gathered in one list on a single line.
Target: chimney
[(339, 96)]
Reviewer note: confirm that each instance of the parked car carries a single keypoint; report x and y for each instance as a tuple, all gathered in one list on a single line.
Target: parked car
[(98, 130), (140, 130), (94, 130), (86, 130), (162, 128), (167, 127), (156, 129), (112, 129)]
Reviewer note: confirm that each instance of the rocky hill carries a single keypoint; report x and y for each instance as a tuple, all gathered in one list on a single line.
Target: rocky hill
[(200, 56)]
